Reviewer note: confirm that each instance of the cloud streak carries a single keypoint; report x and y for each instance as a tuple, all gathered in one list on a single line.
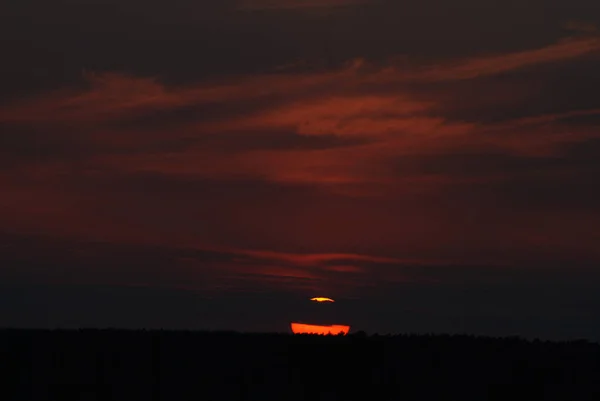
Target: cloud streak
[(114, 95), (296, 4)]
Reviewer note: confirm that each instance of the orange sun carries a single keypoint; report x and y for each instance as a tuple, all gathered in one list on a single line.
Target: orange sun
[(301, 328)]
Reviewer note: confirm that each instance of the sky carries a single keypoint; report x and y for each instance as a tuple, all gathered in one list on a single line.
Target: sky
[(431, 165)]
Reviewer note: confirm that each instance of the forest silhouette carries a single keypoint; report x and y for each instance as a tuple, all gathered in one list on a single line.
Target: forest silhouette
[(178, 365)]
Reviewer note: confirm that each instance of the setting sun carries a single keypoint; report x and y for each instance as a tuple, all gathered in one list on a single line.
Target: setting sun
[(301, 328)]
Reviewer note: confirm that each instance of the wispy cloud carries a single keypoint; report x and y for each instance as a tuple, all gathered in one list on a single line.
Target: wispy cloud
[(316, 259), (581, 26), (114, 95), (296, 4), (482, 66)]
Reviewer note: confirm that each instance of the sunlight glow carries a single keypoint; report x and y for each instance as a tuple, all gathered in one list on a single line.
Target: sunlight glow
[(322, 299), (301, 328)]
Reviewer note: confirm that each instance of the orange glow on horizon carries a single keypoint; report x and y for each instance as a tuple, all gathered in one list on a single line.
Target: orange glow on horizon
[(322, 299), (301, 328)]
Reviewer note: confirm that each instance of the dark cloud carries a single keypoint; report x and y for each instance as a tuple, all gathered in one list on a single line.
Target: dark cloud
[(186, 40)]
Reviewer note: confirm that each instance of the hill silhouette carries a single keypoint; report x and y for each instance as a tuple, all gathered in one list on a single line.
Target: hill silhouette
[(160, 365)]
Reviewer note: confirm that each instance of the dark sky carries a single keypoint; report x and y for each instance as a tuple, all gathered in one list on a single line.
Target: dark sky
[(433, 165)]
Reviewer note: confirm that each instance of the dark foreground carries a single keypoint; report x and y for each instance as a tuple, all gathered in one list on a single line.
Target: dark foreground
[(129, 366)]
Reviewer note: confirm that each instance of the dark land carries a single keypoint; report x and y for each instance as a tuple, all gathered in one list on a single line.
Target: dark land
[(161, 365)]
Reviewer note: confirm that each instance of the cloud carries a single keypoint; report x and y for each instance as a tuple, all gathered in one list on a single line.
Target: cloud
[(482, 66), (296, 4), (581, 26), (112, 96), (414, 152), (316, 259), (177, 267)]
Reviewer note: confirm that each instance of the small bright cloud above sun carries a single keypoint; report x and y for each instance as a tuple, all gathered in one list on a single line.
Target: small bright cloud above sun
[(322, 299)]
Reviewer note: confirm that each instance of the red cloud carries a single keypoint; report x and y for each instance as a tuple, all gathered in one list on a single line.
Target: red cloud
[(113, 95), (315, 259), (362, 142), (496, 64), (341, 103)]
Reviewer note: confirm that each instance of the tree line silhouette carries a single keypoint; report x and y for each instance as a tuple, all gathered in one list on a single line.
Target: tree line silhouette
[(163, 365)]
